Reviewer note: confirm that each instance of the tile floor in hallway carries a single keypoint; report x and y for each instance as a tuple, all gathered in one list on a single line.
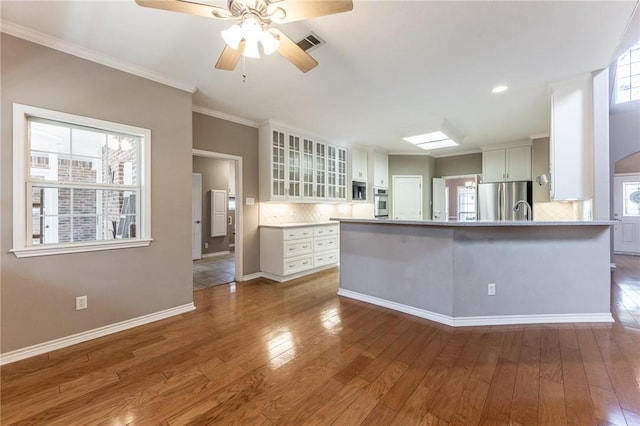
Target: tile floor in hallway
[(212, 271)]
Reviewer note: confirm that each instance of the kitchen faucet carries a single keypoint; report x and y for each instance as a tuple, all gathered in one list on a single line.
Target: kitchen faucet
[(528, 213)]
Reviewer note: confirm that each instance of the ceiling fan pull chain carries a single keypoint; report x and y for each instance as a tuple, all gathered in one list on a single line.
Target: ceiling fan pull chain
[(244, 66)]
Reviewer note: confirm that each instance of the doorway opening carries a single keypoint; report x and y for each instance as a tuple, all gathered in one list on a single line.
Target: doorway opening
[(216, 219), (455, 198)]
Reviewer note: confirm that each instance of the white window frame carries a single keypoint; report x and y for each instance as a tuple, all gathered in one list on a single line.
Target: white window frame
[(21, 167), (616, 92)]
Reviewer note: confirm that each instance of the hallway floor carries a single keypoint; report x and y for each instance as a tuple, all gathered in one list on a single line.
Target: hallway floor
[(213, 271)]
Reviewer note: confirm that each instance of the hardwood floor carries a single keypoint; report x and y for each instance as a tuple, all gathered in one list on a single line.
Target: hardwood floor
[(298, 354)]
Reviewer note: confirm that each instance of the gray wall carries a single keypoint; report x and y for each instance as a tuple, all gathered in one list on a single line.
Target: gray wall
[(215, 175), (459, 165), (629, 164), (419, 165), (216, 135), (624, 134), (38, 293)]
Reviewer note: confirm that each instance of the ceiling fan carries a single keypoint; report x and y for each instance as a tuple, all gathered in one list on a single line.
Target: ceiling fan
[(253, 25)]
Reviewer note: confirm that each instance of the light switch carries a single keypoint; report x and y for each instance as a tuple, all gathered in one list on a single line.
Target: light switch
[(249, 201)]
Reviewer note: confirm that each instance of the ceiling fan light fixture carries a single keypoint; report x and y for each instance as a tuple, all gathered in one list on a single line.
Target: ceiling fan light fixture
[(251, 30), (232, 36), (269, 43), (251, 49)]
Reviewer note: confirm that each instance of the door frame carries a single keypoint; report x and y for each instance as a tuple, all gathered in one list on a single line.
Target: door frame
[(196, 206), (615, 211), (239, 244)]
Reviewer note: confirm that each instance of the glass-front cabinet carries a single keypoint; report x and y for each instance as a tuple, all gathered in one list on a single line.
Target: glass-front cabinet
[(308, 164), (297, 168), (278, 165), (320, 171), (294, 166)]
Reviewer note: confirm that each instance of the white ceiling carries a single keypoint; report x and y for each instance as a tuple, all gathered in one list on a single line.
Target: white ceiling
[(389, 68)]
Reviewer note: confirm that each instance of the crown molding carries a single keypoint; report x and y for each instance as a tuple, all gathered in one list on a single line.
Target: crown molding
[(90, 55), (224, 116)]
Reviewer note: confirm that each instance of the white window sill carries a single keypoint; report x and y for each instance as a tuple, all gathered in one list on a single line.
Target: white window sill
[(47, 250)]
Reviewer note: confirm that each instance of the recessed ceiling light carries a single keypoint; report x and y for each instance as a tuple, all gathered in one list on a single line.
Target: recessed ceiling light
[(500, 89)]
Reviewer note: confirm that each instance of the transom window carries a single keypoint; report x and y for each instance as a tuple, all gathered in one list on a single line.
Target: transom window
[(628, 75), (85, 183)]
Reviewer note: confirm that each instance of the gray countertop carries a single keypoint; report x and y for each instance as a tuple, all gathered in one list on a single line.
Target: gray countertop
[(298, 224), (520, 223)]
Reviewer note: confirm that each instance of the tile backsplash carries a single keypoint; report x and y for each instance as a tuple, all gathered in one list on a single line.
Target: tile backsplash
[(562, 211), (278, 213)]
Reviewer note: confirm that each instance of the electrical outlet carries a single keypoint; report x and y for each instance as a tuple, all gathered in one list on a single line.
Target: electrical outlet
[(491, 289), (81, 303), (206, 245)]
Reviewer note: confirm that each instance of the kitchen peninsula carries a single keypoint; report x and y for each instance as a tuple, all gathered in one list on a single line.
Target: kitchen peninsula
[(540, 272)]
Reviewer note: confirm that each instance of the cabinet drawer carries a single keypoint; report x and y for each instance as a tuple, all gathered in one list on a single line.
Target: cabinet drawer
[(297, 247), (298, 264), (323, 231), (325, 243), (325, 258), (297, 233)]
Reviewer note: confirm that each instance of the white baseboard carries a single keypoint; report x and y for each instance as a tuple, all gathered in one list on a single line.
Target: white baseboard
[(251, 276), (480, 320), (63, 342), (216, 254)]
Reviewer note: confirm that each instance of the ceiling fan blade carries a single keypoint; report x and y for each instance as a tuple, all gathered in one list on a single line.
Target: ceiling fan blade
[(297, 10), (192, 8), (293, 52), (229, 57)]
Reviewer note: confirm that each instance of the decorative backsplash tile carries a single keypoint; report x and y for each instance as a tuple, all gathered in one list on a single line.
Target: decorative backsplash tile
[(562, 211), (277, 213)]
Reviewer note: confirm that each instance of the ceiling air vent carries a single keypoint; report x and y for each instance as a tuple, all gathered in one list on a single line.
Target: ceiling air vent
[(310, 42)]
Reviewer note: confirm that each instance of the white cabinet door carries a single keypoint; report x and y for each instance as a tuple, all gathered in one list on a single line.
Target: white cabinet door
[(320, 171), (493, 163), (336, 173), (510, 164), (308, 163), (278, 165), (518, 164), (358, 165), (571, 140), (294, 167), (218, 212), (380, 170)]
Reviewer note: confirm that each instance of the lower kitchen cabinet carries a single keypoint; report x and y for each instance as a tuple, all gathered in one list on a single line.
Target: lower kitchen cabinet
[(291, 251)]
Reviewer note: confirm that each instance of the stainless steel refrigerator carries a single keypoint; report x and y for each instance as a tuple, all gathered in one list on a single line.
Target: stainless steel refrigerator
[(496, 200)]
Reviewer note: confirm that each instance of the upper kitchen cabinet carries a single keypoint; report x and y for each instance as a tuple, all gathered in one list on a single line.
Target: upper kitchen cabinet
[(359, 165), (507, 165), (571, 140), (298, 168), (336, 173), (380, 170)]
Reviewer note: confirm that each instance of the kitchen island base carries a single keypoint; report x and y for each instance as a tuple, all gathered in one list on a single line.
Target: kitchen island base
[(543, 273)]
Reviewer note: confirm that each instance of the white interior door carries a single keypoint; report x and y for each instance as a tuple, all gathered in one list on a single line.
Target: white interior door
[(407, 197), (218, 213), (196, 216), (438, 200), (626, 209)]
